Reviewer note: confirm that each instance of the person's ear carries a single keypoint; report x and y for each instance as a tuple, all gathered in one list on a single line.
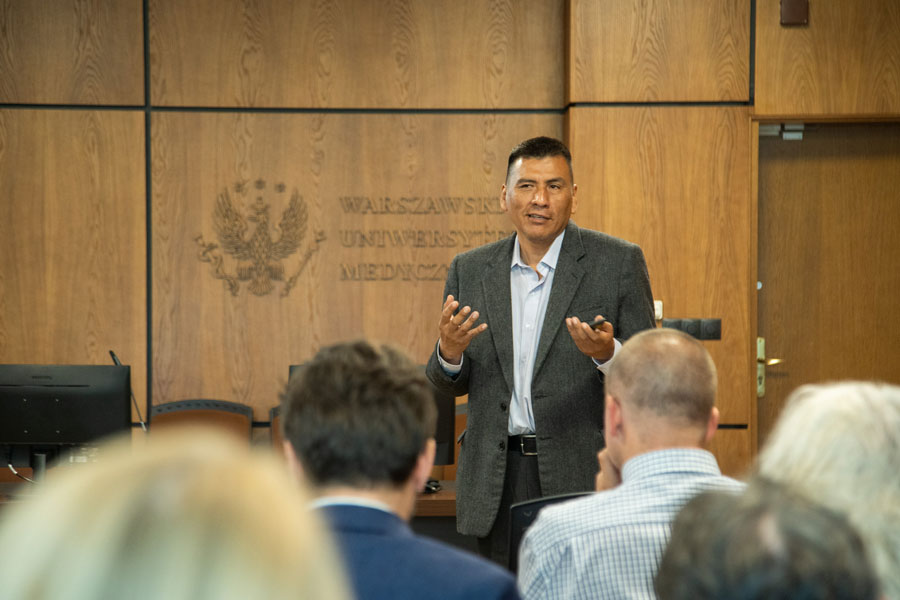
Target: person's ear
[(293, 462), (612, 416), (711, 425), (503, 205), (424, 464)]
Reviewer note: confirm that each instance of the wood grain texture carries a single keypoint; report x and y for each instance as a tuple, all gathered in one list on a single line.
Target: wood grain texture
[(675, 180), (374, 273), (733, 451), (846, 62), (829, 250), (659, 50), (71, 52), (73, 280), (358, 53)]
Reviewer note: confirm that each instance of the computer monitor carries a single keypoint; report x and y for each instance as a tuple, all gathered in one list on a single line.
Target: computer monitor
[(45, 409), (445, 433)]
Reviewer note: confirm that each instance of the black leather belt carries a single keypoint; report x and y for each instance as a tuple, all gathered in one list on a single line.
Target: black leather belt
[(525, 443)]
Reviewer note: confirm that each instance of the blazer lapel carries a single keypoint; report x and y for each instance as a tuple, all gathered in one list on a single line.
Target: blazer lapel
[(566, 281), (498, 307)]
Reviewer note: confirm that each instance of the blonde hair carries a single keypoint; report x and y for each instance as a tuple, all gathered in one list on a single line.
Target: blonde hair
[(839, 444), (191, 515)]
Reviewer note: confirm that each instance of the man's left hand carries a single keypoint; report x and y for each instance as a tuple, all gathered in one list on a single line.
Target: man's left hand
[(597, 343)]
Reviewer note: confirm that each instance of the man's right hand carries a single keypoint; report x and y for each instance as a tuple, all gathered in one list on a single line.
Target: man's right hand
[(608, 475), (457, 330)]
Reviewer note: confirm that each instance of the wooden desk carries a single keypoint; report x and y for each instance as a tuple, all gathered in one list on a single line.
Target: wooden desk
[(438, 504)]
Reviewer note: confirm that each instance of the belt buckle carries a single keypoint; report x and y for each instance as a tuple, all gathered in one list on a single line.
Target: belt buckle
[(522, 439)]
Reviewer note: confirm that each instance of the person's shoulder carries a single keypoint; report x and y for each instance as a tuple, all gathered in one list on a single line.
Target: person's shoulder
[(728, 484), (597, 239), (486, 251), (563, 521), (455, 569)]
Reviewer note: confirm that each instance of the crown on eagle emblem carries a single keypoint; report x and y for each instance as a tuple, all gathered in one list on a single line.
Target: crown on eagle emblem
[(249, 240)]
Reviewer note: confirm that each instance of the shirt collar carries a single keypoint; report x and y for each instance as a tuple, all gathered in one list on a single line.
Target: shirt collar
[(324, 501), (550, 258), (670, 460)]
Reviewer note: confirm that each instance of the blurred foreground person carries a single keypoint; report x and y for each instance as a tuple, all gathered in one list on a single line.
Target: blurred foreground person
[(839, 445), (190, 515), (766, 544), (359, 423)]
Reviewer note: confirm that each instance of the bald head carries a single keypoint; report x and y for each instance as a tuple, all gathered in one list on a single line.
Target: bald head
[(667, 373)]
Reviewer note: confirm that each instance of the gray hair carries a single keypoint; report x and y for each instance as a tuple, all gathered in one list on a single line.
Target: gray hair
[(839, 444)]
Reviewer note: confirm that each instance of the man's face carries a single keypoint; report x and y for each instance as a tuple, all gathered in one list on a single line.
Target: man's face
[(539, 198)]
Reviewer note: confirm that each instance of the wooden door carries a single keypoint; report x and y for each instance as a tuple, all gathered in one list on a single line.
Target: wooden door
[(829, 258)]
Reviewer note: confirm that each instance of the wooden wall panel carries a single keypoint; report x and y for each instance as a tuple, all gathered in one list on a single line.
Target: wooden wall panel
[(391, 198), (663, 50), (73, 249), (676, 181), (846, 62), (71, 52), (358, 53)]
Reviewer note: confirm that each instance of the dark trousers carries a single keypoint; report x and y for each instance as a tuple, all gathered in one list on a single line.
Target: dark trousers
[(521, 482)]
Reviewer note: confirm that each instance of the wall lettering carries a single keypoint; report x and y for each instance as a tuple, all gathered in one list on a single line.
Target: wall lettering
[(421, 205)]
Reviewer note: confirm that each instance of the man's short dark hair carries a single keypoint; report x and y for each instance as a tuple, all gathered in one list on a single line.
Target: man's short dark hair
[(539, 147), (359, 415), (768, 543)]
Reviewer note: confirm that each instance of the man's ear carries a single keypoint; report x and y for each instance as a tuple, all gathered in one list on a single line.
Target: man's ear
[(424, 463), (503, 206), (293, 462), (612, 417), (711, 425)]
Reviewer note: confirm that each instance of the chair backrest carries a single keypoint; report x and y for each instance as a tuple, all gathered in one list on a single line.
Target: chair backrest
[(230, 416), (275, 427), (523, 514)]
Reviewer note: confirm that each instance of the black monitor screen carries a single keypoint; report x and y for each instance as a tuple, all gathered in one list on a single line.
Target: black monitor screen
[(446, 422), (62, 405)]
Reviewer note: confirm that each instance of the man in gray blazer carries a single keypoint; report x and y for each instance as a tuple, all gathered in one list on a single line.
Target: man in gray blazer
[(516, 335)]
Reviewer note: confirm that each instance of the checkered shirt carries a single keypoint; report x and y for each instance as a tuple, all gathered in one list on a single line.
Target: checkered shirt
[(608, 545)]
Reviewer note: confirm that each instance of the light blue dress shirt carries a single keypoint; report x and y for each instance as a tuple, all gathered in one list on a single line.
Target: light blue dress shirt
[(529, 293)]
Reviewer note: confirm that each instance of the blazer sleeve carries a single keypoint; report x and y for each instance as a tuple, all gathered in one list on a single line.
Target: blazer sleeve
[(636, 311)]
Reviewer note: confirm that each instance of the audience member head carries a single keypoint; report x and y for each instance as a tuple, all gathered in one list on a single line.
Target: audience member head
[(361, 416), (660, 393), (539, 147), (839, 444), (190, 515), (766, 544)]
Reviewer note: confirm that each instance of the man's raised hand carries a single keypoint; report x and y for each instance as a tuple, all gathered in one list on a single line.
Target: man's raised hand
[(457, 328)]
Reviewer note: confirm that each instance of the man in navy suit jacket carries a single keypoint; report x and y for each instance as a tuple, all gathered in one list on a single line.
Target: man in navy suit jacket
[(358, 426)]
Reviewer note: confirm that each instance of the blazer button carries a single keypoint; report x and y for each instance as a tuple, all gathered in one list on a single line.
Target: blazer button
[(502, 445), (503, 406)]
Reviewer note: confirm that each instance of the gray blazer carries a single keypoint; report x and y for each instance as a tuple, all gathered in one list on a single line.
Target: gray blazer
[(596, 274)]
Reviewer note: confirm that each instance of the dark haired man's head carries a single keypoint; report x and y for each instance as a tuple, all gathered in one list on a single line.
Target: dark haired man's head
[(768, 543), (359, 415), (539, 147)]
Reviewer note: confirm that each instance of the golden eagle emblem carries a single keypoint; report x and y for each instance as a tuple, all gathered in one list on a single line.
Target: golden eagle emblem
[(258, 247)]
